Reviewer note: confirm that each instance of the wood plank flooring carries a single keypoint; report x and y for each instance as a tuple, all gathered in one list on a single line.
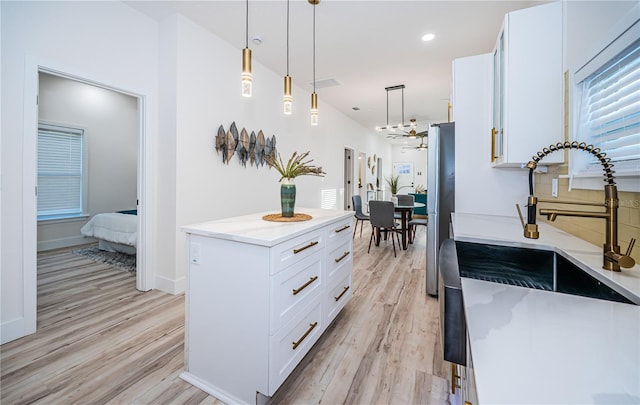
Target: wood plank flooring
[(100, 341)]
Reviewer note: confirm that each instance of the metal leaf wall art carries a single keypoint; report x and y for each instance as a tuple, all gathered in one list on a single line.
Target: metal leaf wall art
[(255, 149)]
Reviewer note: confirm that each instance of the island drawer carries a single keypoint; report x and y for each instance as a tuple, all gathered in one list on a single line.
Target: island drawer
[(339, 261), (293, 289), (292, 342), (339, 232), (294, 250), (337, 297)]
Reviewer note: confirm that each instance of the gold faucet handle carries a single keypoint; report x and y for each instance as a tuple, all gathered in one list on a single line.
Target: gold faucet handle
[(627, 261), (632, 242), (520, 215), (623, 260)]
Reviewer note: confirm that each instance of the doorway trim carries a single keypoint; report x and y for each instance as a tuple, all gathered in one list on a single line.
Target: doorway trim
[(349, 177), (144, 273)]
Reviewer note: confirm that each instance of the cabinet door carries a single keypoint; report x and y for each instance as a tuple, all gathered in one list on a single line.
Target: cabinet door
[(529, 84)]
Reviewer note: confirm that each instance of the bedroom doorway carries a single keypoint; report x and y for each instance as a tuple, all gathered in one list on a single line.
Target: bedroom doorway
[(143, 175), (87, 158)]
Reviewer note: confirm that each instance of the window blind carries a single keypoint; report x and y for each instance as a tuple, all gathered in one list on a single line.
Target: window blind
[(610, 113), (60, 172)]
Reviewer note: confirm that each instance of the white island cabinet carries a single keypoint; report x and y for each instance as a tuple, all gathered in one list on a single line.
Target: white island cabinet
[(259, 295)]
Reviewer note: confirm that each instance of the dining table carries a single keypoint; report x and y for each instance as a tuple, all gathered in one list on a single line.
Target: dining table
[(405, 211)]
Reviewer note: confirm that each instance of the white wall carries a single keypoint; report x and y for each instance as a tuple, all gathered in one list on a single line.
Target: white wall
[(106, 42), (110, 123)]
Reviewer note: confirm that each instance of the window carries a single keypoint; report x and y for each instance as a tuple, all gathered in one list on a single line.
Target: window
[(60, 172), (609, 116)]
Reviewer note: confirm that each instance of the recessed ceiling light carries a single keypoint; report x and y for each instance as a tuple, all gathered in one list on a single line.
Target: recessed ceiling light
[(428, 37), (256, 39)]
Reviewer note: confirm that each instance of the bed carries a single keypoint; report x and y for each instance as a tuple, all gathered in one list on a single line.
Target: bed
[(115, 231)]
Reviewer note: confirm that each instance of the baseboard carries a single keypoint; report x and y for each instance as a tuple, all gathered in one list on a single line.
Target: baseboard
[(64, 242), (211, 390), (170, 286), (13, 330)]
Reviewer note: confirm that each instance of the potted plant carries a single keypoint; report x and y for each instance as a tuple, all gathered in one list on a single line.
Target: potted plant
[(296, 166), (393, 183)]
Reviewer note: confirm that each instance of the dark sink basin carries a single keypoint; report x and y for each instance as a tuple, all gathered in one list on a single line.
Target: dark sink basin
[(540, 269)]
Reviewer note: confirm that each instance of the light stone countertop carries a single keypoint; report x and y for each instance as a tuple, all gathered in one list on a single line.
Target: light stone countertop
[(538, 347), (254, 230)]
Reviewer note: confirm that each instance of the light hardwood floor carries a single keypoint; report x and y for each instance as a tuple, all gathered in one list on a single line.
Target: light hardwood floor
[(101, 341)]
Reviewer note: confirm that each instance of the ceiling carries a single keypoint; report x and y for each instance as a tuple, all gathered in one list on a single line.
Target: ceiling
[(365, 46)]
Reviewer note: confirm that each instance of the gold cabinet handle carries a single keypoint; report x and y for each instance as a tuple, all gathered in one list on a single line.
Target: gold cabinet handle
[(339, 259), (312, 244), (493, 145), (454, 379), (303, 337), (305, 285), (344, 291), (343, 228)]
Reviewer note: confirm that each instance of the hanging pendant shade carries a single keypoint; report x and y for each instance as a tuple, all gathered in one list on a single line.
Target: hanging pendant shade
[(247, 76), (314, 108), (287, 99)]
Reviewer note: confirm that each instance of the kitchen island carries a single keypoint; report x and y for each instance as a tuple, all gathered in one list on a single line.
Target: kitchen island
[(259, 295), (539, 347)]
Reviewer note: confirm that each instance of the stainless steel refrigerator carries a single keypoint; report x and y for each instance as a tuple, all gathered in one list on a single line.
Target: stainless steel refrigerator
[(440, 194)]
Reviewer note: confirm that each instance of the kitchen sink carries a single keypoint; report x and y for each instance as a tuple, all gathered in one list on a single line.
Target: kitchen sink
[(531, 268)]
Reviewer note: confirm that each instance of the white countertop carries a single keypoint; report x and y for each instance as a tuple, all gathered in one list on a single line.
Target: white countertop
[(538, 347), (255, 230)]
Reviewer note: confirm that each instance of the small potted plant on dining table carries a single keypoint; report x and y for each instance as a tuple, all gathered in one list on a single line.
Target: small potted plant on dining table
[(296, 166), (392, 181)]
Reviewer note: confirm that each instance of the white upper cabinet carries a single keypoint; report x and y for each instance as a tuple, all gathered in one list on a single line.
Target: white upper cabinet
[(528, 86)]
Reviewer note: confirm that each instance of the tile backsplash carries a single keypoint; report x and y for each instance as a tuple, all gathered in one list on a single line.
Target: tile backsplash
[(590, 229)]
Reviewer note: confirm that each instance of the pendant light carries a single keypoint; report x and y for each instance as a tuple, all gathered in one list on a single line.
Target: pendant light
[(401, 125), (247, 76), (288, 100), (314, 96)]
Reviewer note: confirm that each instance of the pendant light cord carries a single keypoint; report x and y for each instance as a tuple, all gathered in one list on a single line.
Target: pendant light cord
[(387, 109), (246, 36), (403, 107), (287, 37), (314, 48)]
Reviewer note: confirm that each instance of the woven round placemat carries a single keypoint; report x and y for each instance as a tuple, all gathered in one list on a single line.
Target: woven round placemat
[(297, 217)]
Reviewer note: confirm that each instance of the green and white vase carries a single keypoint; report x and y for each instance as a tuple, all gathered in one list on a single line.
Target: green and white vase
[(287, 196)]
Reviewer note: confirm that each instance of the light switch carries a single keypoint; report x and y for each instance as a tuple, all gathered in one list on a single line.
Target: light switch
[(554, 187), (195, 253)]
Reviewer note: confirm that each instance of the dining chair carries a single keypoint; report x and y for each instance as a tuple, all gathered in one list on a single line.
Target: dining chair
[(359, 215), (413, 224), (382, 220), (406, 200)]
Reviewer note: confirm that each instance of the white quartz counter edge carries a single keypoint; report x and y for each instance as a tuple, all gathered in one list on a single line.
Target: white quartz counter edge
[(538, 347), (254, 230)]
